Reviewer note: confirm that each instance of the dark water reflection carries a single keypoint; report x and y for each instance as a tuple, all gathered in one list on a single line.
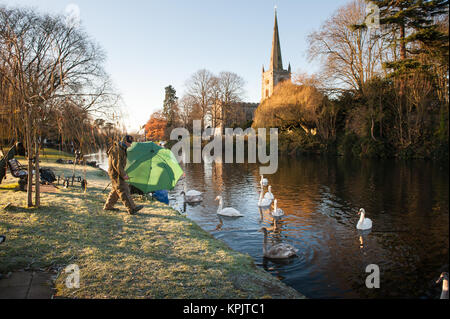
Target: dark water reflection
[(407, 202)]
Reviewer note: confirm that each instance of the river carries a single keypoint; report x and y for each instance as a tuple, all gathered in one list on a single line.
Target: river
[(407, 202)]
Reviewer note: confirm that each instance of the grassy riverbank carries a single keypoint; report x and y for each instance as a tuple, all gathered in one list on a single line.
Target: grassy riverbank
[(157, 253)]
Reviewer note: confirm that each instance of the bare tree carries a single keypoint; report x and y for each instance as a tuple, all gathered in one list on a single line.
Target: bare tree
[(216, 108), (231, 88), (186, 105), (44, 59), (350, 56), (200, 88)]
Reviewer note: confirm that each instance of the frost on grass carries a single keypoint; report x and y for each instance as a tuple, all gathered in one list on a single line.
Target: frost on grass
[(155, 254)]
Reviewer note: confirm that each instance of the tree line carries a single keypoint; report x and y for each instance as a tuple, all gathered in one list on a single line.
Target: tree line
[(52, 86), (212, 99), (380, 91)]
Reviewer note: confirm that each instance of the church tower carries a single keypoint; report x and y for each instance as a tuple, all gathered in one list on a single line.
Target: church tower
[(275, 74)]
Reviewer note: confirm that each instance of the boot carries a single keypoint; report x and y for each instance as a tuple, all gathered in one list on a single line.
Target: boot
[(136, 209)]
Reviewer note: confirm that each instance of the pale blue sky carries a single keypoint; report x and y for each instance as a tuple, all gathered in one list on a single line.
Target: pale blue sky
[(151, 44)]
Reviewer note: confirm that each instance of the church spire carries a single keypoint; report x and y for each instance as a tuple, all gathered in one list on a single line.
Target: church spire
[(275, 58), (275, 73)]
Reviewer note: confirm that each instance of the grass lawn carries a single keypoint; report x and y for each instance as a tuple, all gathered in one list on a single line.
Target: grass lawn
[(157, 253), (50, 153)]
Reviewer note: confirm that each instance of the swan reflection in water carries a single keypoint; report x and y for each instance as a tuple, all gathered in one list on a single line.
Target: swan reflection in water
[(363, 234), (262, 214), (220, 224), (265, 214), (183, 205)]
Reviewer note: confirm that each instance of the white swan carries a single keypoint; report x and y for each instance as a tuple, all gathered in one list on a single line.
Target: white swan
[(269, 194), (277, 212), (363, 223), (264, 181), (263, 202), (444, 279), (191, 196), (278, 251), (227, 211)]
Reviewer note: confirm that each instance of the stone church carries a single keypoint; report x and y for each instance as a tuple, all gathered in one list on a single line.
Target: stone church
[(276, 73)]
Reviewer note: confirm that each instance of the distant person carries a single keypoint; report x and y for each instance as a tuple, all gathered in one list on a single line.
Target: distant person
[(117, 160), (78, 157)]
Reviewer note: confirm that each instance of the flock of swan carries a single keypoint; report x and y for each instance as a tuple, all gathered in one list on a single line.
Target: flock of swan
[(282, 250), (277, 251), (265, 201)]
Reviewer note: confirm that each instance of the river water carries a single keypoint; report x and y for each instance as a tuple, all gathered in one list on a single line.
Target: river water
[(406, 201)]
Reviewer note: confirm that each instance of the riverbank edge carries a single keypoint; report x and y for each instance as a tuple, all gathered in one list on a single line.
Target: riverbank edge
[(349, 146), (219, 271)]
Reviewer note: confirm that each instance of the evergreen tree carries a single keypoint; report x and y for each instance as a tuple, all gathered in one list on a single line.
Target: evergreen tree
[(413, 31), (170, 106), (420, 49)]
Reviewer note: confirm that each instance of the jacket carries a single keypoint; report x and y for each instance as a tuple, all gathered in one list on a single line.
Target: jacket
[(117, 160)]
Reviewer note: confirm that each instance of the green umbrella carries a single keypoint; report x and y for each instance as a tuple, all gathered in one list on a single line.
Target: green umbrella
[(151, 167)]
